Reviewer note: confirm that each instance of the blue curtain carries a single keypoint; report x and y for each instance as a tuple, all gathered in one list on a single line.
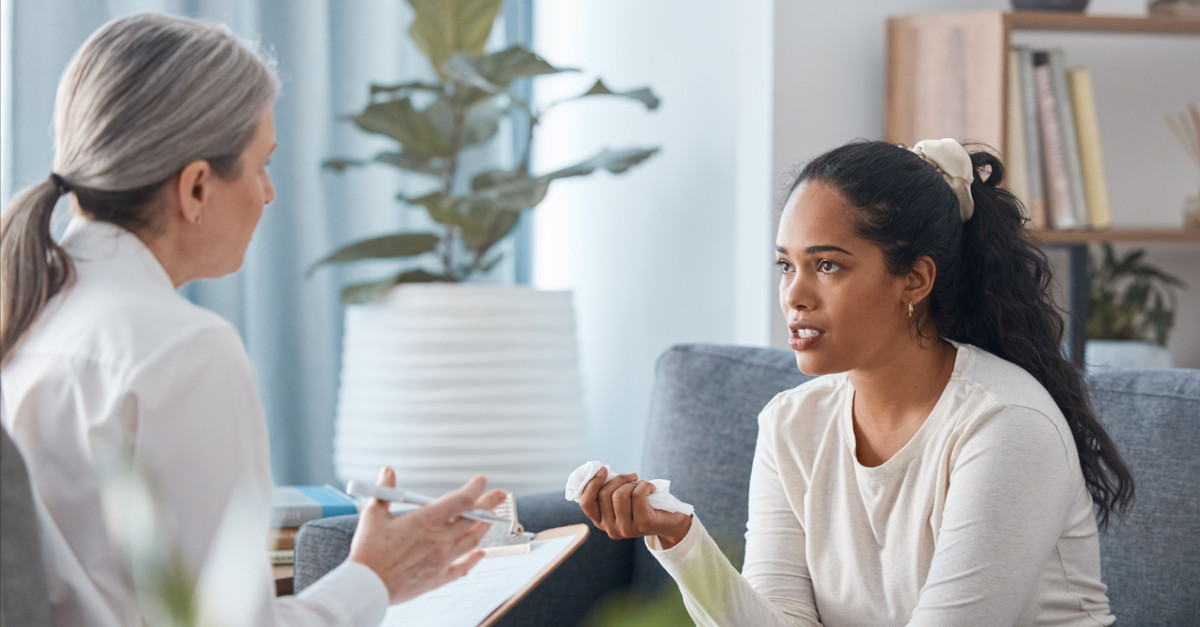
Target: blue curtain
[(328, 52)]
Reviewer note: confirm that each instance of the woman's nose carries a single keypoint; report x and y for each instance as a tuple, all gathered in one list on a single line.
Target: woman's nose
[(796, 293), (269, 196)]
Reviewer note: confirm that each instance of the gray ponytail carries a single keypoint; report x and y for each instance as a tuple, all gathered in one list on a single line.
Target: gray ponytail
[(142, 98)]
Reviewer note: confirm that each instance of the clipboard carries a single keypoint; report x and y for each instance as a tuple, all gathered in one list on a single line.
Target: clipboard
[(474, 600), (578, 534)]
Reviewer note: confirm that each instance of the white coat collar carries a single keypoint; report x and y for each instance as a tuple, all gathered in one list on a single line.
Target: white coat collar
[(87, 240)]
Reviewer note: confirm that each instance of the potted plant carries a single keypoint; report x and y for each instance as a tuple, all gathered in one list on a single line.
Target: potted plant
[(1131, 311), (442, 378)]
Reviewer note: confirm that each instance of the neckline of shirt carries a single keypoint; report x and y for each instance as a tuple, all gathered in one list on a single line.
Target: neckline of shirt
[(962, 358), (88, 240)]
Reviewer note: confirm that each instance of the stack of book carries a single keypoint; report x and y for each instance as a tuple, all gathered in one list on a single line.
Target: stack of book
[(294, 505), (1054, 160)]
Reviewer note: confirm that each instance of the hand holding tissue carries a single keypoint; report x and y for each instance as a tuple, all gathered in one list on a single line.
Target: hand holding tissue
[(662, 499)]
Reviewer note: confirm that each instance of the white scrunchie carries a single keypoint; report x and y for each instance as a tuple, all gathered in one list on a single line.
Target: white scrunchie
[(951, 160)]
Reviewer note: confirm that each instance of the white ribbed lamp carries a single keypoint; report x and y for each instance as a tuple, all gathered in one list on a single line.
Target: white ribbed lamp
[(443, 382)]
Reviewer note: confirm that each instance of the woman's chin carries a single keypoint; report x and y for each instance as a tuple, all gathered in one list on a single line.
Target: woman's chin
[(814, 366)]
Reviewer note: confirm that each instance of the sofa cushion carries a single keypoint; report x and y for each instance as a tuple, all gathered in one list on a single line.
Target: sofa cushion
[(703, 426), (1151, 560)]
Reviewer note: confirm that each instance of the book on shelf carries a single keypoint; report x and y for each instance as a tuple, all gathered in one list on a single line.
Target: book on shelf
[(294, 505), (282, 538), (1091, 164), (1054, 140), (1016, 168), (1060, 207), (1070, 138), (1035, 201), (282, 557)]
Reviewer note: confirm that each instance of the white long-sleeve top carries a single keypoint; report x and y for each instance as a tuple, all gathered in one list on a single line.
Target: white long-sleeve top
[(119, 355), (981, 519)]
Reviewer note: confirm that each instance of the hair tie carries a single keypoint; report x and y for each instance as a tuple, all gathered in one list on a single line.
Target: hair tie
[(60, 184), (951, 160)]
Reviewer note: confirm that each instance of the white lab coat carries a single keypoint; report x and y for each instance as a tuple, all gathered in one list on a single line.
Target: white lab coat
[(120, 356)]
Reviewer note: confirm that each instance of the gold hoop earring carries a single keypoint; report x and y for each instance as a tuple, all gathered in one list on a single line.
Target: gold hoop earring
[(910, 309)]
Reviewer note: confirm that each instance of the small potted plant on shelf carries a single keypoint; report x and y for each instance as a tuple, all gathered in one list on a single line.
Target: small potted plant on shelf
[(1131, 311), (443, 378)]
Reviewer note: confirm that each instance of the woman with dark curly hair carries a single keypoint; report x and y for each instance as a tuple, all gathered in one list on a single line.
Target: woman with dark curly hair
[(949, 470)]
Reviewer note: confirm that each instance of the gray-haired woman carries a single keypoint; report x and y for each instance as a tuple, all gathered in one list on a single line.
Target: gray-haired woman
[(163, 130)]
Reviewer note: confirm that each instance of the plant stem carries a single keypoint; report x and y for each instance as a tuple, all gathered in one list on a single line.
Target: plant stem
[(523, 166), (448, 190)]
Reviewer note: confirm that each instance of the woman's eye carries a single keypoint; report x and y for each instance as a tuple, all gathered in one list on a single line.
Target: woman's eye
[(827, 266), (783, 266)]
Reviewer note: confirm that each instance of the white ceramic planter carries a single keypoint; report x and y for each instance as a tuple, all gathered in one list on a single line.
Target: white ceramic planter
[(442, 382), (1112, 354)]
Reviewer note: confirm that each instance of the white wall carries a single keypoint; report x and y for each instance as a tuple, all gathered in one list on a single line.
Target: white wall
[(657, 256), (679, 249)]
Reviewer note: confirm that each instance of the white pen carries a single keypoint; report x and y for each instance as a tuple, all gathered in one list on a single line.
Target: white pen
[(402, 496)]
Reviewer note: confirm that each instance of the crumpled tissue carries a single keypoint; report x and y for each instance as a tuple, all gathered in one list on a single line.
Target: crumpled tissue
[(661, 499)]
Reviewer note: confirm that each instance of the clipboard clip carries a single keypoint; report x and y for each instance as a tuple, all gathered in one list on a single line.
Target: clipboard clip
[(508, 539)]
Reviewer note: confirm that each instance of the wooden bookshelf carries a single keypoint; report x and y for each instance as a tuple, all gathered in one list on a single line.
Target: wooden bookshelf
[(1118, 235), (1050, 20), (947, 75)]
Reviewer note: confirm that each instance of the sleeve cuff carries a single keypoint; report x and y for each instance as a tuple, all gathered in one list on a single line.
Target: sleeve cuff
[(682, 548), (362, 594)]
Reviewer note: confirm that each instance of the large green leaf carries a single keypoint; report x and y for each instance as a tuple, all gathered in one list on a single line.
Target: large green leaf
[(496, 71), (365, 292), (442, 28), (386, 247), (482, 123), (506, 66), (513, 196), (425, 132), (642, 95), (435, 166), (454, 211), (525, 193), (341, 165), (403, 88), (615, 161), (492, 178)]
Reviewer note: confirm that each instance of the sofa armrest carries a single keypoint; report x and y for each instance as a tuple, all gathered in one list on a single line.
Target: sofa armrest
[(597, 568), (321, 545)]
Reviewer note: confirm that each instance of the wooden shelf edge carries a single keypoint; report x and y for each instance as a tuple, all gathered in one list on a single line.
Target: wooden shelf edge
[(1066, 21), (1127, 24), (1145, 235)]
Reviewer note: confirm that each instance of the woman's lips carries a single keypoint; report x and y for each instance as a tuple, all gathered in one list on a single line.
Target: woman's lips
[(803, 337)]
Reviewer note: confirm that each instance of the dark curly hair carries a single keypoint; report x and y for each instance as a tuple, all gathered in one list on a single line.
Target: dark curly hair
[(992, 287)]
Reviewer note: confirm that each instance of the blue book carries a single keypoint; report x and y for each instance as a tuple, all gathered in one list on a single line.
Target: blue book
[(294, 505)]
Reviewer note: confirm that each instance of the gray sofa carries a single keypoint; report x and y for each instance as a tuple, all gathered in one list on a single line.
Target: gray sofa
[(701, 436)]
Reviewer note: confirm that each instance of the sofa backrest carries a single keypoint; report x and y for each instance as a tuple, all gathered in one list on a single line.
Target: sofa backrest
[(703, 425), (1151, 560)]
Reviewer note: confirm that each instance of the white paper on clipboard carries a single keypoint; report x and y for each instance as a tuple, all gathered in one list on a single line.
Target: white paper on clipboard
[(472, 599)]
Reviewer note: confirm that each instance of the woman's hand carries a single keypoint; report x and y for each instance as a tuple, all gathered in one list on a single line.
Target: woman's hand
[(416, 552), (621, 508)]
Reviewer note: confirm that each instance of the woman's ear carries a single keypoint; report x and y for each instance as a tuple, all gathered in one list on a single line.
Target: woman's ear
[(192, 190), (919, 282)]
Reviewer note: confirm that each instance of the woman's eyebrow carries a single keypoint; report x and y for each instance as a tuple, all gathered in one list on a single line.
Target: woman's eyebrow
[(812, 250)]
